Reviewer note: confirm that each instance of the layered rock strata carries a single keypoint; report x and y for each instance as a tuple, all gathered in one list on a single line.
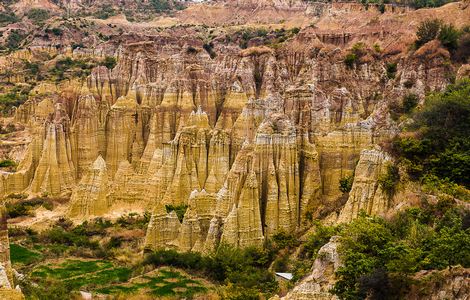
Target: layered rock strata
[(259, 137)]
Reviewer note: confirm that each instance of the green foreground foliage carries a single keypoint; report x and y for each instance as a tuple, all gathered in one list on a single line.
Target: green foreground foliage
[(243, 270), (436, 147), (380, 256)]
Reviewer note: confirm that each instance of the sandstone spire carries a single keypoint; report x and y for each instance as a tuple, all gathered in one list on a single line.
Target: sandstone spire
[(90, 196)]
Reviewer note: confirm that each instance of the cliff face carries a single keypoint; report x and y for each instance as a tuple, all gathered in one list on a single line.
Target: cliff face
[(253, 141), (366, 194)]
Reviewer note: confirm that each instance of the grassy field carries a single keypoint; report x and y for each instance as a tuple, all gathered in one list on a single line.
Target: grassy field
[(161, 283), (79, 274), (22, 256), (103, 277)]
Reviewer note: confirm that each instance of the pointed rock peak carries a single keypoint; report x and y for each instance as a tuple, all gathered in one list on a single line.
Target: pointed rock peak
[(124, 164), (59, 113), (199, 118), (99, 164), (173, 214), (222, 192), (86, 99), (124, 168), (193, 194), (251, 181)]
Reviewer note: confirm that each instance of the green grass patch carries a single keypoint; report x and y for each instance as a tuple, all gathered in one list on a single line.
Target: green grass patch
[(161, 284), (21, 255), (77, 274)]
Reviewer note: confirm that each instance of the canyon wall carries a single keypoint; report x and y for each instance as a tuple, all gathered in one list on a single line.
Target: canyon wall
[(250, 141)]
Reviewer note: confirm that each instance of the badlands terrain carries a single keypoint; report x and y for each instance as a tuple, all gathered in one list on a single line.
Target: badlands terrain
[(210, 149)]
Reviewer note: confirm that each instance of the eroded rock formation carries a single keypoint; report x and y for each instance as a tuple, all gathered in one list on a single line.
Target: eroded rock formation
[(253, 141), (322, 278)]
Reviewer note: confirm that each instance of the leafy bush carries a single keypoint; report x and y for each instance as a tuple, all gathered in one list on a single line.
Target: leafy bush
[(209, 47), (427, 31), (243, 268), (26, 207), (449, 36), (283, 240), (14, 39), (37, 15), (410, 102), (105, 12), (7, 163), (391, 70), (12, 99), (345, 183), (440, 144), (67, 67), (55, 31), (426, 3), (160, 5), (315, 241), (109, 62), (350, 60), (389, 180), (463, 49), (379, 256), (131, 221), (7, 18), (355, 53), (431, 29)]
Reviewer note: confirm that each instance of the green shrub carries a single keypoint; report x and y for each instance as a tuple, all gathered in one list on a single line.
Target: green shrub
[(243, 268), (105, 12), (410, 102), (55, 31), (345, 183), (160, 5), (315, 241), (209, 47), (440, 143), (284, 240), (7, 163), (14, 39), (391, 70), (132, 221), (37, 15), (463, 50), (389, 180), (69, 67), (27, 207), (109, 62), (427, 31), (449, 36), (7, 18), (350, 60), (379, 256), (12, 99)]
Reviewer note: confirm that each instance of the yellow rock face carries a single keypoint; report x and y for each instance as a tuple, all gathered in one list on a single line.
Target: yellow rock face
[(6, 271), (254, 142), (366, 194), (90, 197)]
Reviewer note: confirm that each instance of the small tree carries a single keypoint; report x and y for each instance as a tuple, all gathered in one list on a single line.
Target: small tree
[(449, 36), (428, 30)]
